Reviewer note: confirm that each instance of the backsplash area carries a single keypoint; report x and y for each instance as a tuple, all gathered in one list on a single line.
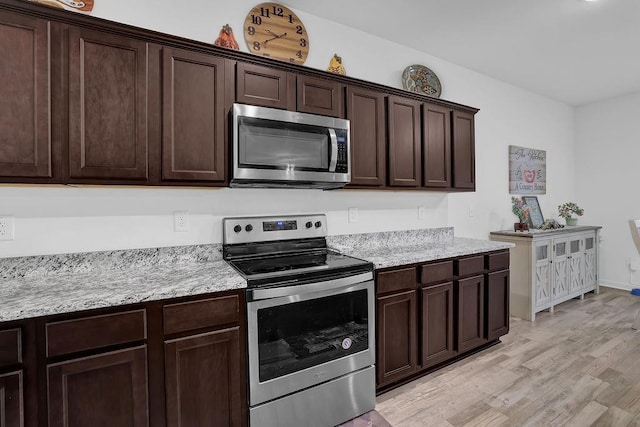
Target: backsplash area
[(65, 219)]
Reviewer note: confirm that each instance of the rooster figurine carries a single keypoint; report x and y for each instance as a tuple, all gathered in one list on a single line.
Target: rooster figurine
[(226, 39), (335, 66)]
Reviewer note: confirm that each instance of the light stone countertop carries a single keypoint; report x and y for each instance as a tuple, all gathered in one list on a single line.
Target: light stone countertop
[(395, 248), (55, 284)]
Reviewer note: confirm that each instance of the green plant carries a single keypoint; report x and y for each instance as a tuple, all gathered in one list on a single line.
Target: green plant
[(519, 209), (566, 210)]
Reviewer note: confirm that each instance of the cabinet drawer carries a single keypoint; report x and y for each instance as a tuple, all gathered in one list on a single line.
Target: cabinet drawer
[(470, 265), (95, 332), (498, 261), (390, 281), (10, 347), (436, 272), (201, 314)]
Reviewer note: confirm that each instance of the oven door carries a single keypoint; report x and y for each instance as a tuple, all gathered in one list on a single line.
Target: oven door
[(307, 338)]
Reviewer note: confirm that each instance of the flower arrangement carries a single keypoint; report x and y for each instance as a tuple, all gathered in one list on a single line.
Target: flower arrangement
[(519, 209), (566, 210)]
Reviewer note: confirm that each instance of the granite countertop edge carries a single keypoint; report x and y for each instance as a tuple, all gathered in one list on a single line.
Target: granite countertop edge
[(71, 290)]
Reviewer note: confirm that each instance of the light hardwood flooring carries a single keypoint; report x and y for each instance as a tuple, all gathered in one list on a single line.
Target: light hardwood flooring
[(578, 366)]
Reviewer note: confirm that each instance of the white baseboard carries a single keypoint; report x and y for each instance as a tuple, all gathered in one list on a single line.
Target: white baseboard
[(617, 285)]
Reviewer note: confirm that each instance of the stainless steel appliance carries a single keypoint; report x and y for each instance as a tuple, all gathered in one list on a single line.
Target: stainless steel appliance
[(310, 314), (277, 148)]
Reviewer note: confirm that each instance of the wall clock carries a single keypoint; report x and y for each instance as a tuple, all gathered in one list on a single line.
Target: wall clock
[(274, 31)]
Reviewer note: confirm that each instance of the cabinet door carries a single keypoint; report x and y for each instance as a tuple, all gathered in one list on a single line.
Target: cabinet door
[(560, 268), (203, 379), (542, 274), (365, 110), (497, 304), (193, 125), (319, 96), (437, 324), (100, 391), (267, 87), (576, 265), (464, 158), (11, 406), (470, 313), (25, 115), (107, 106), (396, 335), (436, 146), (404, 142), (590, 262)]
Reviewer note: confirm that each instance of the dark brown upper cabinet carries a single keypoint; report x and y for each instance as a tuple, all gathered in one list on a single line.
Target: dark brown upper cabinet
[(365, 110), (405, 158), (107, 106), (464, 166), (25, 115), (264, 86), (194, 112), (436, 146), (319, 96)]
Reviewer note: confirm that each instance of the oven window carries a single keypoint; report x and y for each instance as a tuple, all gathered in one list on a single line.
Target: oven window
[(300, 335), (278, 145)]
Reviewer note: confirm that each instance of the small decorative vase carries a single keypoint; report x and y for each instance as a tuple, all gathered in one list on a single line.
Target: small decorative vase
[(520, 226), (571, 221)]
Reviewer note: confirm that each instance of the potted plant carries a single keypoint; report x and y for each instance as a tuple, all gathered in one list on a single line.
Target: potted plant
[(520, 209), (567, 210)]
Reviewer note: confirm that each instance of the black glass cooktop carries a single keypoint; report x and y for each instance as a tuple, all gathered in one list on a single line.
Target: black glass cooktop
[(305, 266)]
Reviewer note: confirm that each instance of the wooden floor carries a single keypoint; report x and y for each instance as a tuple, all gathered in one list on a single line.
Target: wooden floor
[(579, 366)]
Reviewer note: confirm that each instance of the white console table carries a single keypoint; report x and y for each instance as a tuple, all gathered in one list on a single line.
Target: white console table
[(550, 266)]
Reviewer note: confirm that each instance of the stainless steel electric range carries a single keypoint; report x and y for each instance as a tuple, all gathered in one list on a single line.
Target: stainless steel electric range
[(310, 313)]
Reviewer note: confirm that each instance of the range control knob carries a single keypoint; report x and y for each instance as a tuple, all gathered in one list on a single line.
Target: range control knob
[(318, 224), (309, 224), (237, 228), (248, 227)]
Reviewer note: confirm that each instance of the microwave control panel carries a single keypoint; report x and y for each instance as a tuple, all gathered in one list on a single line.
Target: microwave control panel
[(342, 165)]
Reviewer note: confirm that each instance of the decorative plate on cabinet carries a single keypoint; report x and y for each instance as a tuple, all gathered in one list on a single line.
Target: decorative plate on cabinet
[(418, 78)]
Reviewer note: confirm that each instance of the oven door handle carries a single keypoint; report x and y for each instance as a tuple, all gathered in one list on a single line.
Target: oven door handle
[(334, 150), (297, 290)]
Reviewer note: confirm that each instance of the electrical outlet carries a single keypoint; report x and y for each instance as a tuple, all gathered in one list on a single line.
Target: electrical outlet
[(7, 228), (353, 214), (422, 212), (181, 221)]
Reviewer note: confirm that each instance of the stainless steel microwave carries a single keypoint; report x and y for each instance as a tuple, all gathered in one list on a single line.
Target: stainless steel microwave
[(278, 148)]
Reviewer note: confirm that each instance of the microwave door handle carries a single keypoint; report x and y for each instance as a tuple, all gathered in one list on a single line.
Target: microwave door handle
[(334, 150)]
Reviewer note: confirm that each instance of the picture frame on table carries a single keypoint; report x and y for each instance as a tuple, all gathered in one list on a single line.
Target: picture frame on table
[(535, 214)]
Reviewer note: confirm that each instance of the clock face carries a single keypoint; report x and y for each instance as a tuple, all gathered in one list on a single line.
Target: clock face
[(273, 30)]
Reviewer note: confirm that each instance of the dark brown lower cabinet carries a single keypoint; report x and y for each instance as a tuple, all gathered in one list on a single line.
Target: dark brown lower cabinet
[(11, 403), (437, 324), (470, 313), (497, 304), (202, 375), (397, 340), (100, 391)]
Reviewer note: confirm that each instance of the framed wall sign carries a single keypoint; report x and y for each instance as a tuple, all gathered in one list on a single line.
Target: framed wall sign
[(527, 170), (535, 214)]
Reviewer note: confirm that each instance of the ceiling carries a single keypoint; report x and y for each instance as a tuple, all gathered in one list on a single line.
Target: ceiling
[(574, 51)]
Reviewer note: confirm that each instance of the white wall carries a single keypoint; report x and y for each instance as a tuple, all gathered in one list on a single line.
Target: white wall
[(607, 161), (69, 219)]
